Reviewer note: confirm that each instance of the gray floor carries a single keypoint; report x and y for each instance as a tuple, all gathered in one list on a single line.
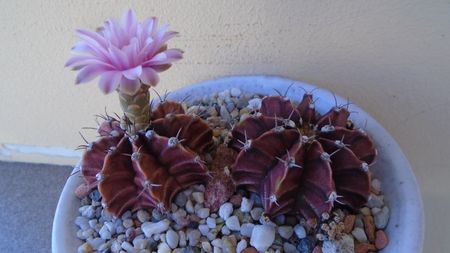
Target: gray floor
[(28, 197)]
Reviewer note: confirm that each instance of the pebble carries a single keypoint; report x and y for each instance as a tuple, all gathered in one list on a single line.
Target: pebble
[(150, 228), (344, 245), (224, 113), (157, 215), (105, 233), (300, 231), (172, 239), (229, 244), (365, 211), (217, 243), (199, 197), (182, 239), (254, 104), (126, 215), (256, 213), (140, 243), (82, 222), (381, 239), (143, 216), (127, 246), (376, 186), (305, 245), (127, 223), (250, 250), (93, 223), (349, 222), (382, 218), (225, 210), (164, 248), (211, 222), (115, 246), (359, 222), (375, 201), (189, 206), (206, 246), (285, 231), (233, 223), (289, 248), (235, 92), (225, 230), (247, 229), (95, 195), (85, 248), (246, 205), (364, 247), (204, 229), (369, 228), (88, 211), (193, 237), (202, 212), (359, 235), (242, 244), (262, 237)]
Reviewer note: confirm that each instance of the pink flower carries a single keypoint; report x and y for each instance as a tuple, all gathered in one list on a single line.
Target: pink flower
[(124, 54)]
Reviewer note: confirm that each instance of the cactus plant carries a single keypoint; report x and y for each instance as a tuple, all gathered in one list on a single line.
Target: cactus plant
[(302, 162)]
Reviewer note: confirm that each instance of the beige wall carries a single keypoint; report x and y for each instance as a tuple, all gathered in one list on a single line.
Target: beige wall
[(390, 57)]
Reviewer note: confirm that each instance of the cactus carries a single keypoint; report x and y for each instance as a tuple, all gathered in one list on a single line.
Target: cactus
[(301, 162), (147, 169)]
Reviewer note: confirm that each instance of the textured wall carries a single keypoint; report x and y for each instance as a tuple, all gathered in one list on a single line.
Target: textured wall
[(390, 57)]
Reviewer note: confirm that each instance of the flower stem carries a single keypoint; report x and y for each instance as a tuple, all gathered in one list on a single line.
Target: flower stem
[(136, 109)]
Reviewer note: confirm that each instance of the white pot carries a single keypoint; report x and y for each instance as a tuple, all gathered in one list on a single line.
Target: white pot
[(406, 225)]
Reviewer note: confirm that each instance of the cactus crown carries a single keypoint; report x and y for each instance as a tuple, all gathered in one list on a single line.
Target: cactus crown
[(299, 161)]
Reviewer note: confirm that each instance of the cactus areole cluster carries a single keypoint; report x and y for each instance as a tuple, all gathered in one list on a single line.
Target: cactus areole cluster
[(296, 160)]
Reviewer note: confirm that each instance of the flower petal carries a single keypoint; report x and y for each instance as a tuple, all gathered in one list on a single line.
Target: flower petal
[(165, 57), (149, 76), (128, 86), (109, 81), (90, 72), (133, 73)]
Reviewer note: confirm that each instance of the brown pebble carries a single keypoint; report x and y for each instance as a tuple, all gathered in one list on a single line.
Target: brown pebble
[(364, 247), (369, 227), (349, 222), (236, 200), (249, 250), (82, 191), (317, 249), (381, 239)]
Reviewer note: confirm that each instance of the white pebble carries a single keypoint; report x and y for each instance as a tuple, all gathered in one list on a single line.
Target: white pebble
[(206, 246), (300, 231), (246, 205), (182, 241), (235, 92), (127, 247), (105, 233), (225, 210), (285, 231), (172, 239), (262, 237), (82, 222), (217, 243), (140, 243), (189, 206), (376, 185), (96, 242), (93, 223), (150, 228), (344, 245), (199, 197), (217, 250), (203, 213), (143, 216), (247, 229), (289, 248), (241, 246), (128, 223), (204, 229), (115, 246), (164, 248), (375, 201), (254, 104), (225, 230), (381, 218), (193, 237), (359, 235), (256, 213), (211, 222), (233, 223)]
